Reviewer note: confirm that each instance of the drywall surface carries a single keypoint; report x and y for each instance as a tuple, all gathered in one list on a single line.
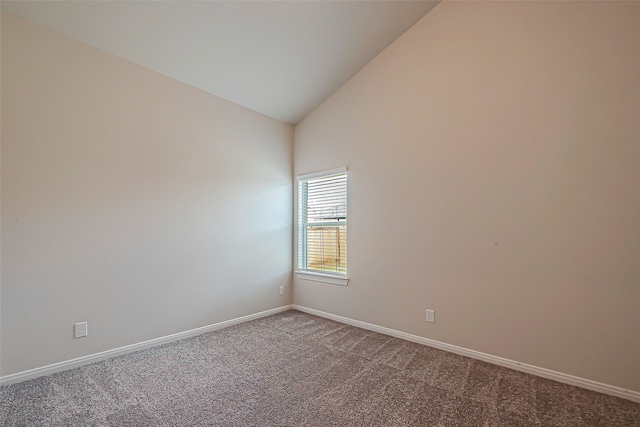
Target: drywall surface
[(139, 204), (493, 156)]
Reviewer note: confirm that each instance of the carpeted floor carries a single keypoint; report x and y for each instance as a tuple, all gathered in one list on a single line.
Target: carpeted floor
[(294, 369)]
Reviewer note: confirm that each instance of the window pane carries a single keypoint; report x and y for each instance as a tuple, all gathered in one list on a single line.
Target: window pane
[(327, 248)]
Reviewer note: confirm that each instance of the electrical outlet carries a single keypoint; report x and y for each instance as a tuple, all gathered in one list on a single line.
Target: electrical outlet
[(431, 316), (281, 290), (81, 330)]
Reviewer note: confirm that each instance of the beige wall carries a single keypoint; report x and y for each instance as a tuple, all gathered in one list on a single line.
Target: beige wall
[(131, 201), (493, 155)]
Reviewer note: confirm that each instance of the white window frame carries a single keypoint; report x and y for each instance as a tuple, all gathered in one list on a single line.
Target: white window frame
[(302, 272)]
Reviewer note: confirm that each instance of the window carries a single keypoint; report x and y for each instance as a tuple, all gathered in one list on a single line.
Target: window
[(322, 226)]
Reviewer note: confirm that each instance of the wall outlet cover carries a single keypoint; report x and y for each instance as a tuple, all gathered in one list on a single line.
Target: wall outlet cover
[(431, 316), (81, 330)]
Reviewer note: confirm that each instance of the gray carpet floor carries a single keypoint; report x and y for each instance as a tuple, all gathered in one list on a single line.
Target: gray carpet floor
[(294, 369)]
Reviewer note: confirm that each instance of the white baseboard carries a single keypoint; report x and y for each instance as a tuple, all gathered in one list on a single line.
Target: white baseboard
[(507, 363), (85, 360)]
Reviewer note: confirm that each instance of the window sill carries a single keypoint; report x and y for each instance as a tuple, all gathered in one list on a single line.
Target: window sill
[(325, 278)]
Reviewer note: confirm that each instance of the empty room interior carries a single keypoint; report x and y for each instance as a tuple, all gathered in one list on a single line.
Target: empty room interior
[(327, 213)]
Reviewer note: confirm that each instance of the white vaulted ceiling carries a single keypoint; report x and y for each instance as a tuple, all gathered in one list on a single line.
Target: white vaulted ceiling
[(280, 58)]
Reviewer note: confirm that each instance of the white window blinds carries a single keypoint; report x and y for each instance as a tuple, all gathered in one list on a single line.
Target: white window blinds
[(322, 222)]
